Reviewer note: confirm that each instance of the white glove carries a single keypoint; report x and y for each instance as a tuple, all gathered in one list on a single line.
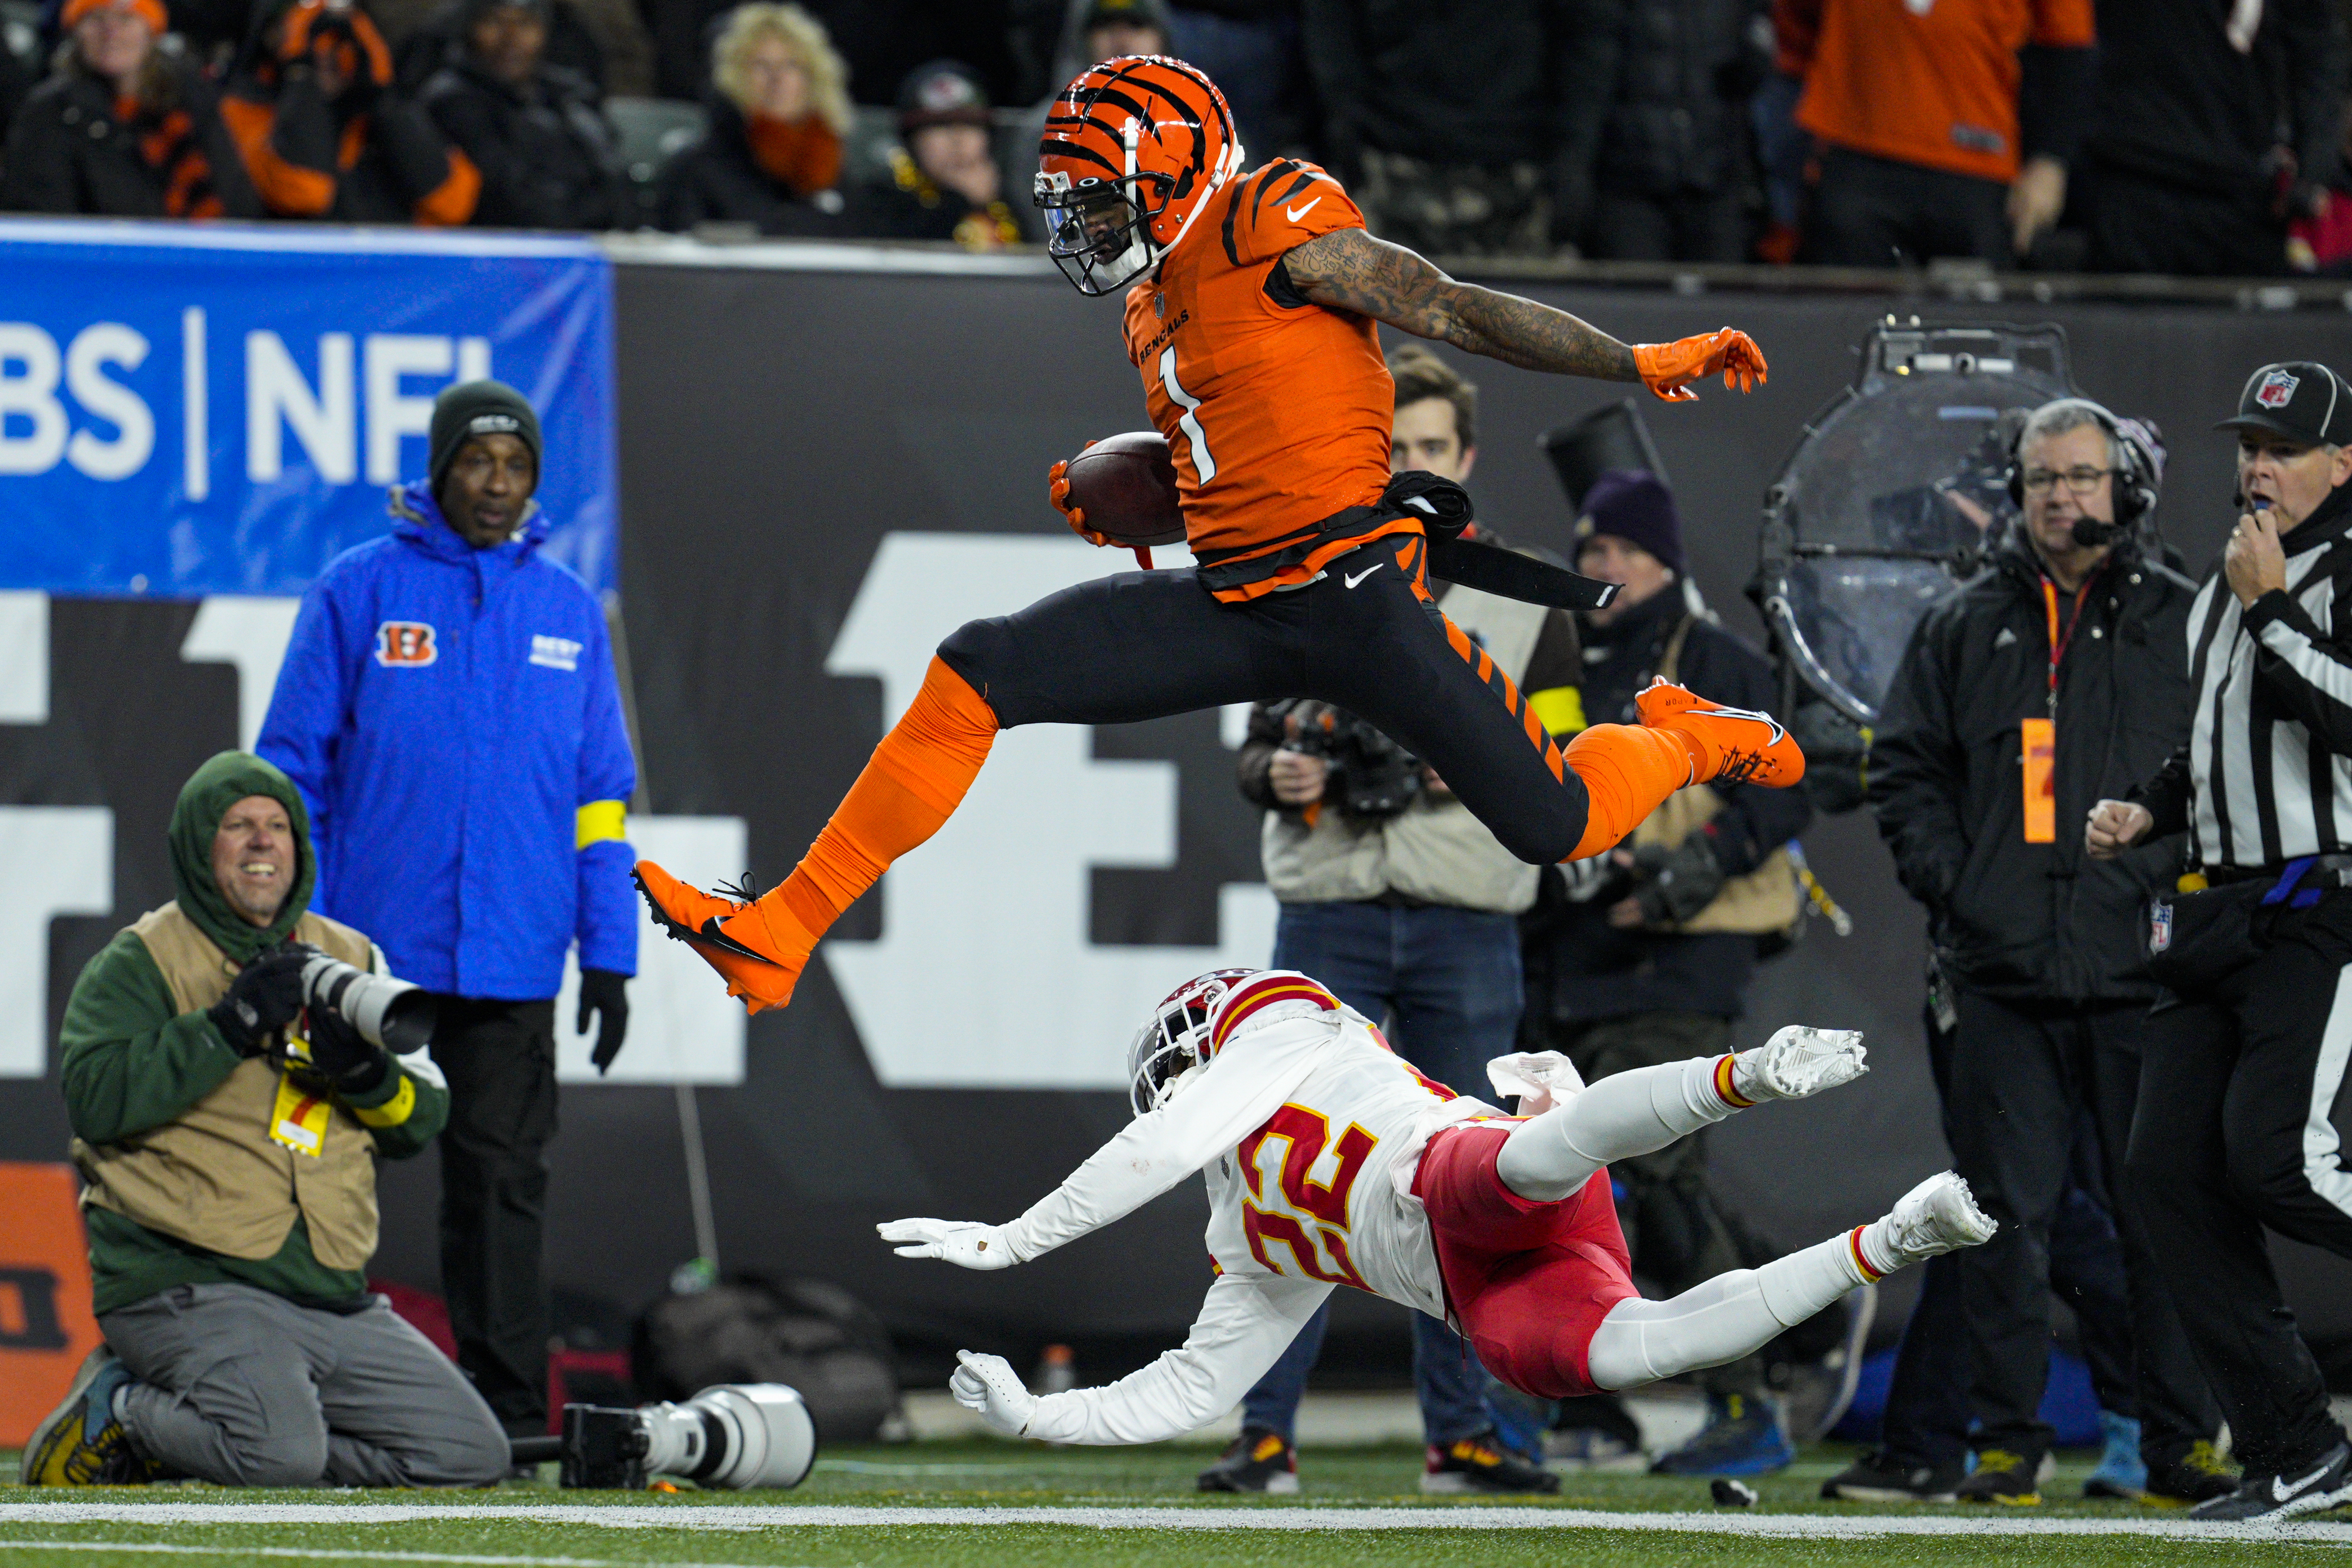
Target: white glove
[(1541, 1080), (961, 1242), (988, 1384)]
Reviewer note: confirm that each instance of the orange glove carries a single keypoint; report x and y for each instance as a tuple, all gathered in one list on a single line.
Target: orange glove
[(1057, 490), (1668, 369)]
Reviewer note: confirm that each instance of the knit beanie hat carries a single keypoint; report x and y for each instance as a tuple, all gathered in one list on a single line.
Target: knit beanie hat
[(479, 408), (944, 92), (1635, 505)]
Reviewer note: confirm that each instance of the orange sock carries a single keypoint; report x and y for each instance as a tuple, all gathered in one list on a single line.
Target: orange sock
[(913, 784), (1628, 771)]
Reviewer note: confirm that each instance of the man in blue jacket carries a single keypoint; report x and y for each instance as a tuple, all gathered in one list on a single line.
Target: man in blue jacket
[(449, 711)]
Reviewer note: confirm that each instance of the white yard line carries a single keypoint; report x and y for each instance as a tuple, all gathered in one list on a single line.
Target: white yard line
[(790, 1516), (310, 1554)]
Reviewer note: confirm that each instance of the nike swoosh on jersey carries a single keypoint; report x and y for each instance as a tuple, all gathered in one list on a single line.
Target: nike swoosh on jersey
[(1360, 576), (1295, 214)]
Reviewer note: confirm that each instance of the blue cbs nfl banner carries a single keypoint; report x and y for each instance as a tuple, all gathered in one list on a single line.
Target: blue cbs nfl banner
[(189, 409)]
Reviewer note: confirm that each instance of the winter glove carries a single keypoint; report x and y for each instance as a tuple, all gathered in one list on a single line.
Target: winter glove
[(1673, 884), (1668, 369), (1057, 490), (988, 1384), (350, 1064), (960, 1242), (606, 995), (312, 29), (264, 998)]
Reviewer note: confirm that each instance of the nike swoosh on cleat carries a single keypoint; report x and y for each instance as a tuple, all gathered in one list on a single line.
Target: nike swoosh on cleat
[(2283, 1493), (1295, 214), (1367, 571), (717, 938)]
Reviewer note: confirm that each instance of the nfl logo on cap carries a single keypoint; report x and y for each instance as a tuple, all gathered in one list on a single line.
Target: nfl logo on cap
[(2277, 390)]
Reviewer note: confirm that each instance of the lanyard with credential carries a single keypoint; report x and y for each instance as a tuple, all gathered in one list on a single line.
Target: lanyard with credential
[(2038, 738)]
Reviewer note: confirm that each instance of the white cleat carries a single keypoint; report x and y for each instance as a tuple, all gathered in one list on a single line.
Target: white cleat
[(1798, 1061), (1938, 1216)]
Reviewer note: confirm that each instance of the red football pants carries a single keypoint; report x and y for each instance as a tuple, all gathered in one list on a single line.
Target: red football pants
[(1529, 1282)]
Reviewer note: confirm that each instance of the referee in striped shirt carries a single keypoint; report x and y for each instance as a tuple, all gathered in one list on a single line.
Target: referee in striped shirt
[(2242, 1099)]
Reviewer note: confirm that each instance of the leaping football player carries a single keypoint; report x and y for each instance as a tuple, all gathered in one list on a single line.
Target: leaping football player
[(1252, 317), (1331, 1162)]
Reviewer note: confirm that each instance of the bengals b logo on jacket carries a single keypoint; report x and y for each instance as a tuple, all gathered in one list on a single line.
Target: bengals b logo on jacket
[(404, 644)]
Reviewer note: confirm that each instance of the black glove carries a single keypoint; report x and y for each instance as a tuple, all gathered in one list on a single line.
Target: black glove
[(346, 1060), (263, 999), (605, 994), (1673, 884)]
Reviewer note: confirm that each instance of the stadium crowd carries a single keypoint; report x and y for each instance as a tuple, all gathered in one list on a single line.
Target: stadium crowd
[(2168, 136)]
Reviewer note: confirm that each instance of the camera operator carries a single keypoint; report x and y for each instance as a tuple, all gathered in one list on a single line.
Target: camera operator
[(228, 1171), (2042, 684), (2241, 1109), (1396, 897)]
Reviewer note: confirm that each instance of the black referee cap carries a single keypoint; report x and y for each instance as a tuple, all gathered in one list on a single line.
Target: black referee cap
[(2302, 400)]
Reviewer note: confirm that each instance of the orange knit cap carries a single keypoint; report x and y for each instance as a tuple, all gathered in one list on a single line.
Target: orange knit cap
[(152, 12)]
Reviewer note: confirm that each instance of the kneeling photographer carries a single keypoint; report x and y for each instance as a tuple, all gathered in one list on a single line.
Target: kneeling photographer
[(226, 1073)]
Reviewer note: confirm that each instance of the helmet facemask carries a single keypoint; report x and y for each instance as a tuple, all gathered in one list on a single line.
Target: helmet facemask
[(1100, 232), (1175, 1039)]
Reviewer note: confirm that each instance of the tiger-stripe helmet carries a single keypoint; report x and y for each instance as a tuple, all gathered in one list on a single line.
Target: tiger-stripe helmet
[(1133, 148)]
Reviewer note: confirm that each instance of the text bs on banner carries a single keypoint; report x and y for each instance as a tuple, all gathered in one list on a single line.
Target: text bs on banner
[(190, 409)]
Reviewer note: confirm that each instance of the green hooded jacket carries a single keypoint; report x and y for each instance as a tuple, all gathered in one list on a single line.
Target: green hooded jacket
[(129, 1063)]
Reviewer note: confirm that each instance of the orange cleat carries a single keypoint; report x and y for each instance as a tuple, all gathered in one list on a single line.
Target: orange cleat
[(753, 948), (1729, 745)]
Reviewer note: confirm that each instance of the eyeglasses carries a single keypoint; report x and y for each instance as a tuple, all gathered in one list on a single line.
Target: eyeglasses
[(2081, 481)]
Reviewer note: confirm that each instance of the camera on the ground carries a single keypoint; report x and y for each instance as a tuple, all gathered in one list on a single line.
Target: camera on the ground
[(731, 1437)]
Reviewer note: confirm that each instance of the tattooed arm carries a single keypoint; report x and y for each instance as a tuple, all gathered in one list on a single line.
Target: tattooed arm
[(1348, 269)]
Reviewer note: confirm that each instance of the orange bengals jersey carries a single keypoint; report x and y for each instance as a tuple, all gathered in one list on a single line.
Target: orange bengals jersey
[(1278, 413)]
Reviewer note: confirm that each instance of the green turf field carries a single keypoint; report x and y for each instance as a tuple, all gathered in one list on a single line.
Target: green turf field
[(930, 1504)]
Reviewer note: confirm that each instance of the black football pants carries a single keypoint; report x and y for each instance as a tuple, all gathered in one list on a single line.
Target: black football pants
[(500, 1059), (2022, 1075), (1146, 645), (2243, 1110)]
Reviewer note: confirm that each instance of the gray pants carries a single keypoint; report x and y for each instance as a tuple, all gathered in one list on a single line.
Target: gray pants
[(243, 1388)]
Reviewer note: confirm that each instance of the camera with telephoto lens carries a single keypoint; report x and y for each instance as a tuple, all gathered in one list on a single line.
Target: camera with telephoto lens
[(1370, 778), (734, 1436), (386, 1012)]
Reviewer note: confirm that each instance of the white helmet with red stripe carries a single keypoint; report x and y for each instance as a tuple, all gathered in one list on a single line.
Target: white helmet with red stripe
[(1202, 1016)]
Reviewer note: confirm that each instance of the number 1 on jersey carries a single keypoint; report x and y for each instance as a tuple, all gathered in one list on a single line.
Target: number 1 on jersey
[(1204, 465)]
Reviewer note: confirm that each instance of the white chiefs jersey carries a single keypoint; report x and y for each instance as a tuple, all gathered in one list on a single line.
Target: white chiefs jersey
[(1309, 1130)]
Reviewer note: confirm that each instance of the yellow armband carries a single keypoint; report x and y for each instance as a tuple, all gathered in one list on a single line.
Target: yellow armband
[(600, 820)]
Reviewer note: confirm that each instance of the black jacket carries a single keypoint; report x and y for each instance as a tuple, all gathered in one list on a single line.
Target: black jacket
[(2013, 919), (717, 180), (1463, 81), (1584, 966), (2178, 103), (66, 153), (547, 157), (1685, 70)]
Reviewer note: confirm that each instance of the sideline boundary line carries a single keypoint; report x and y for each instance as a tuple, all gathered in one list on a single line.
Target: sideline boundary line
[(823, 1516), (333, 1554)]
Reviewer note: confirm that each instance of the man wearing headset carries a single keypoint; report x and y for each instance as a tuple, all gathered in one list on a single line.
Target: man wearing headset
[(2051, 681)]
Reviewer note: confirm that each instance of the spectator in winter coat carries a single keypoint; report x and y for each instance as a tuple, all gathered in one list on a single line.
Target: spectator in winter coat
[(323, 133), (452, 651), (778, 111), (121, 130), (1465, 130), (944, 181), (2216, 125), (548, 159), (1666, 180), (1946, 129)]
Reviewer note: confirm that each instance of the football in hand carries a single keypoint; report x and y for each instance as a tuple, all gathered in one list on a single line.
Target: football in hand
[(1125, 485)]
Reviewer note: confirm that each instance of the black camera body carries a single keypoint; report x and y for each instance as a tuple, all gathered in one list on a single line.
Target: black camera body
[(1370, 777)]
